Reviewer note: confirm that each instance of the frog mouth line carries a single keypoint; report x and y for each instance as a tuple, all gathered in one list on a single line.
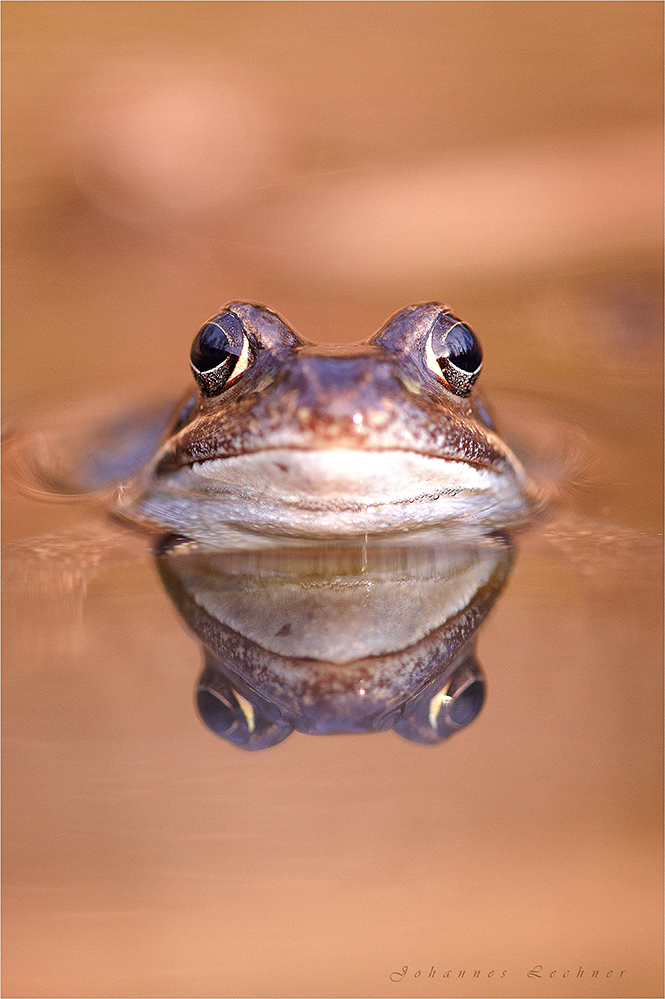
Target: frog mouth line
[(169, 463), (321, 468)]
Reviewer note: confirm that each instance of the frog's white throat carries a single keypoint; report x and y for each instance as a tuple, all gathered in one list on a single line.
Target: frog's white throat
[(329, 493)]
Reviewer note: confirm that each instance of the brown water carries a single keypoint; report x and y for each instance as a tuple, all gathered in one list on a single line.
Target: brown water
[(338, 162)]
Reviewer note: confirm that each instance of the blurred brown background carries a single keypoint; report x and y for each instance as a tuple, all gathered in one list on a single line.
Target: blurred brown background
[(337, 161)]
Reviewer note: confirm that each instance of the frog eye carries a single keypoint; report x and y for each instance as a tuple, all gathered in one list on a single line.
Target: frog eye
[(429, 718), (453, 353), (220, 353), (228, 714)]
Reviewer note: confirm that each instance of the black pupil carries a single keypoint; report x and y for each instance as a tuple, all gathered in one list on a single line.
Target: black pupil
[(467, 703), (217, 715), (218, 341), (461, 348)]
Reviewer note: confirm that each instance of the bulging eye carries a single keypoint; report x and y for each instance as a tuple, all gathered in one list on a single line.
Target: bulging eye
[(453, 353), (220, 353)]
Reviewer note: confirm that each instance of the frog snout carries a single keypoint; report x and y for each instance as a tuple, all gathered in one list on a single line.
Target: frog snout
[(346, 390)]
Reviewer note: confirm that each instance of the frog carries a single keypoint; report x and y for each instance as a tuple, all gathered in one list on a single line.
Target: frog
[(281, 437)]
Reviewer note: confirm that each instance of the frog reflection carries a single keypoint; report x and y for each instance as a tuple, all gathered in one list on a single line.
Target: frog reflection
[(346, 638)]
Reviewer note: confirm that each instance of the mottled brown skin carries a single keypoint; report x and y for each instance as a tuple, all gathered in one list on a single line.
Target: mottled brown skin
[(330, 441), (297, 394)]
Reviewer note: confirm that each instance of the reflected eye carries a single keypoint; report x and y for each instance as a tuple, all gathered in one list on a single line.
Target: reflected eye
[(220, 353), (228, 714), (466, 703), (453, 353)]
